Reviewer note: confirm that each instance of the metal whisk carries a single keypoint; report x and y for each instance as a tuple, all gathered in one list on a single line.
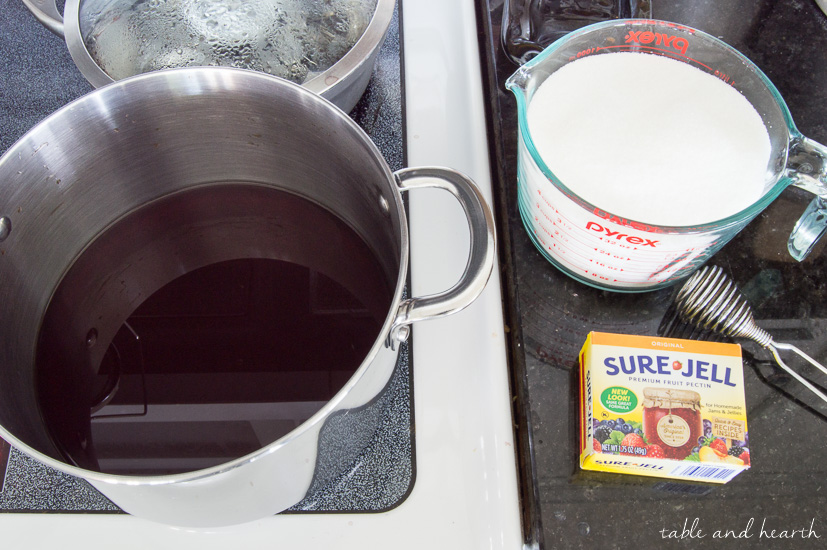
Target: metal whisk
[(709, 300)]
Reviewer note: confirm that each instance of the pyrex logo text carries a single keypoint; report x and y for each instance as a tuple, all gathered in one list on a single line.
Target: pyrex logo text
[(631, 239), (660, 39)]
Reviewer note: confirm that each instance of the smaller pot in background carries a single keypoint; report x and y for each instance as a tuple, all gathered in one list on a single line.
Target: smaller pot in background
[(330, 48)]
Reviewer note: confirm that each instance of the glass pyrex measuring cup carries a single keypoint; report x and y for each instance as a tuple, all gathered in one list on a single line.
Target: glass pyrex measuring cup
[(606, 250)]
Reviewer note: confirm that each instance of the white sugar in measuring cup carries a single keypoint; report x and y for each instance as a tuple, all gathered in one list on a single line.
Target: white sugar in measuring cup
[(608, 251)]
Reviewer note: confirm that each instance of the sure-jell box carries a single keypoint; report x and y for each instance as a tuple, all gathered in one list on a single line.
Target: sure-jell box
[(663, 407)]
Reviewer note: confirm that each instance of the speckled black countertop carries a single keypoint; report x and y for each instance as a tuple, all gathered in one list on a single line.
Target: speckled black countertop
[(552, 314)]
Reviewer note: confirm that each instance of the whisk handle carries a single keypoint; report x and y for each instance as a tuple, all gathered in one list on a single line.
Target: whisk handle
[(790, 347), (774, 349)]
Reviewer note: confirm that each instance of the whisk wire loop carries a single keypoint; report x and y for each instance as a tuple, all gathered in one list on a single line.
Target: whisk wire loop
[(711, 301)]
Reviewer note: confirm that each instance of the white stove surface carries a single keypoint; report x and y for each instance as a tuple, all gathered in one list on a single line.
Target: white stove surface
[(465, 493)]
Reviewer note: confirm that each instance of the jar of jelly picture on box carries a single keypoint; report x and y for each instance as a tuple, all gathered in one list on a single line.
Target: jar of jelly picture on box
[(672, 420)]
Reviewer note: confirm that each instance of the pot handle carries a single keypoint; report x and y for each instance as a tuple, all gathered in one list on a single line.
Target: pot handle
[(480, 259), (47, 13)]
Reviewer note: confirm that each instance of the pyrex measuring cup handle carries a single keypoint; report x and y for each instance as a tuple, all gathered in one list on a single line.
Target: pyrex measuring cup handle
[(47, 13), (480, 258), (808, 162)]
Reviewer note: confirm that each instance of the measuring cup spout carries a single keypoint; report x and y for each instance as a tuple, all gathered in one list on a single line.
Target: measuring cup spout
[(518, 82), (807, 167)]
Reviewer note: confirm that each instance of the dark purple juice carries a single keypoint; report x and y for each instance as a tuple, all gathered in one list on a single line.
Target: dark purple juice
[(218, 359)]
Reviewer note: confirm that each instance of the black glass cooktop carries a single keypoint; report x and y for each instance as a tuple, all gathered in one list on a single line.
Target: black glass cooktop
[(552, 314)]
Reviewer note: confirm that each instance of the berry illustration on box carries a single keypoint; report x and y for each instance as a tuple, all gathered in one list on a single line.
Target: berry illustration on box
[(721, 449), (625, 438), (662, 407)]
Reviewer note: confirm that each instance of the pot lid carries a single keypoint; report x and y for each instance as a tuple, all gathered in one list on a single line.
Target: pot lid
[(292, 39)]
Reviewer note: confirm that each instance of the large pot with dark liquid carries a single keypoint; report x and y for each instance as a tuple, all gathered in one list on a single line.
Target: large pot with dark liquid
[(115, 208)]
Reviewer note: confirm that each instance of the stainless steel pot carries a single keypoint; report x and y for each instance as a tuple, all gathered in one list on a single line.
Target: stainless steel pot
[(134, 144), (343, 83)]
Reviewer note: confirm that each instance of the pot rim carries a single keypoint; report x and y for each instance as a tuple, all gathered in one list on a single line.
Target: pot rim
[(219, 76), (353, 59)]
